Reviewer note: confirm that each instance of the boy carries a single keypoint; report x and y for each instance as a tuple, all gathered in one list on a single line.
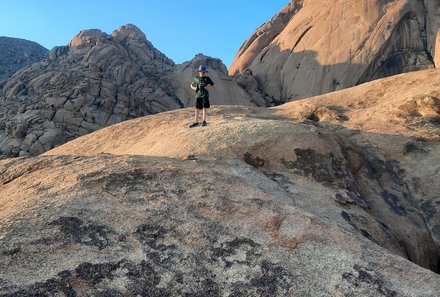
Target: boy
[(199, 84)]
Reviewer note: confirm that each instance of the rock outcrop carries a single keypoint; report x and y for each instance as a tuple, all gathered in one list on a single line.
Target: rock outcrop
[(397, 118), (95, 81), (329, 196), (18, 53), (315, 47)]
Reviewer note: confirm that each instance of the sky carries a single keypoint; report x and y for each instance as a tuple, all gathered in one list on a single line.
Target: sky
[(179, 29)]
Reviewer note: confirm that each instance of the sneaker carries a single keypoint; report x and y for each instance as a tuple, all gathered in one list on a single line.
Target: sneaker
[(204, 123), (193, 125)]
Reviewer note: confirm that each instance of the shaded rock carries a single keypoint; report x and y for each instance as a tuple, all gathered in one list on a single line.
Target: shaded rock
[(249, 83), (98, 79), (307, 50)]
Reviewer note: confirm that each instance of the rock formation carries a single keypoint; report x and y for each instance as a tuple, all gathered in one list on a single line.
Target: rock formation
[(369, 175), (329, 196), (95, 81), (314, 47), (18, 53), (397, 118)]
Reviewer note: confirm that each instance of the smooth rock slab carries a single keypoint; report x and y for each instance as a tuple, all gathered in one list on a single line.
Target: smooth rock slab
[(127, 226)]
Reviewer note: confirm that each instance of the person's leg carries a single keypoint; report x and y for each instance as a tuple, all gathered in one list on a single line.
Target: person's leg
[(196, 118), (204, 114), (206, 105), (197, 115)]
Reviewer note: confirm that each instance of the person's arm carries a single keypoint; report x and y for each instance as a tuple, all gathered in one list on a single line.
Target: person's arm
[(193, 85), (210, 85)]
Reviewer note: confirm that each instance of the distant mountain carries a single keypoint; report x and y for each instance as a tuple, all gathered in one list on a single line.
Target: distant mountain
[(17, 53), (96, 81), (319, 46)]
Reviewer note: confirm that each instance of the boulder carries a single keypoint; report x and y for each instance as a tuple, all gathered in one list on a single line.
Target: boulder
[(335, 195), (398, 118), (307, 50)]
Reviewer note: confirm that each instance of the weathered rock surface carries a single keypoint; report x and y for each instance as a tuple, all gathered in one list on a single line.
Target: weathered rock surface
[(398, 118), (364, 157), (18, 53), (335, 195), (315, 47), (129, 226), (95, 81), (328, 196)]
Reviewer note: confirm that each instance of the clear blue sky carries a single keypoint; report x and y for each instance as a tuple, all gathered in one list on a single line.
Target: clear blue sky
[(180, 29)]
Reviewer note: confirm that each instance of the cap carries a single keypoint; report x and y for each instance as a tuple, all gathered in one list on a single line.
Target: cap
[(202, 68)]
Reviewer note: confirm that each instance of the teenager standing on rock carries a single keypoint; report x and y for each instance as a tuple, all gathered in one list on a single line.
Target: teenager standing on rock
[(200, 84)]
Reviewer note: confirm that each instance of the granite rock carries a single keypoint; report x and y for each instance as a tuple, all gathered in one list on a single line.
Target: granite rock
[(316, 47)]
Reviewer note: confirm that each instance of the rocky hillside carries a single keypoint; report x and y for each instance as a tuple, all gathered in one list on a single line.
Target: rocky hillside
[(328, 196), (369, 147), (95, 81), (397, 118), (314, 47), (18, 53)]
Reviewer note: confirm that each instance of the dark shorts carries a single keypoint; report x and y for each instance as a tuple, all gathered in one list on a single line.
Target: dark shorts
[(202, 103)]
